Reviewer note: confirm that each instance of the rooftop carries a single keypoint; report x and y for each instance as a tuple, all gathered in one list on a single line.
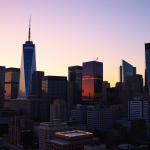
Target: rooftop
[(73, 133)]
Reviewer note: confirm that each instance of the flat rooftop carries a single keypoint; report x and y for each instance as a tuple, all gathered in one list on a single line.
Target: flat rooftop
[(73, 133)]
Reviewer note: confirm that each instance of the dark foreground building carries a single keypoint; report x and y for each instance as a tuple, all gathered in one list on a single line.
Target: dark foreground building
[(92, 81), (147, 68), (53, 87), (2, 85), (75, 76)]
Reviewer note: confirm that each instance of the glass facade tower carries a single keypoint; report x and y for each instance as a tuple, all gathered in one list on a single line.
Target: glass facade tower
[(126, 70), (75, 76), (92, 81), (147, 68), (28, 81), (53, 87)]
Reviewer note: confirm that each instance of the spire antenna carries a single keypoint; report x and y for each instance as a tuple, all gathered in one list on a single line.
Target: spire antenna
[(29, 29)]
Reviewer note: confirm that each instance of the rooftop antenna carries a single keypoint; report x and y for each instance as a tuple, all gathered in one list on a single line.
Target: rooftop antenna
[(29, 29)]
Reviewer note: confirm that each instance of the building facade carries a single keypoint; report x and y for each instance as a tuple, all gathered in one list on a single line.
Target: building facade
[(99, 119), (126, 70), (15, 128), (147, 68), (59, 110), (2, 85), (75, 76), (28, 107), (39, 75), (28, 79), (47, 131), (71, 140), (113, 95), (92, 81), (11, 83), (53, 87)]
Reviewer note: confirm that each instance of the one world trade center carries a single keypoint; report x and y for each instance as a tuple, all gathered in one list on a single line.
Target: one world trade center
[(28, 82)]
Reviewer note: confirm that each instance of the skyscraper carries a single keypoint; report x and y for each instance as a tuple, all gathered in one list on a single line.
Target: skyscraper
[(28, 80), (147, 68), (11, 83), (75, 76), (2, 85), (126, 70), (53, 87), (92, 81)]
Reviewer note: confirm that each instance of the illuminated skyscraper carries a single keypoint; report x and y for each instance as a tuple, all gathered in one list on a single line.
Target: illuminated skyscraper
[(28, 81), (92, 80), (147, 67)]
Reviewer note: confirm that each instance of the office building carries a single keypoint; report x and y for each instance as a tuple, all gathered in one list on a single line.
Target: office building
[(118, 135), (126, 123), (126, 70), (100, 119), (138, 130), (106, 85), (39, 75), (70, 94), (138, 109), (113, 95), (47, 131), (75, 76), (28, 79), (59, 110), (75, 125), (71, 140), (119, 85), (147, 68), (53, 87), (118, 111), (80, 114), (11, 83), (92, 81), (28, 107), (17, 128), (130, 88), (2, 85)]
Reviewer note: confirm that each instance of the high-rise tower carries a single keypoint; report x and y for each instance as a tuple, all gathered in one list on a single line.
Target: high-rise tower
[(92, 81), (28, 81), (147, 67)]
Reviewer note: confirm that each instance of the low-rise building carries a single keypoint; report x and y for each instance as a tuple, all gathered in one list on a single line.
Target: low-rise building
[(47, 131), (71, 140)]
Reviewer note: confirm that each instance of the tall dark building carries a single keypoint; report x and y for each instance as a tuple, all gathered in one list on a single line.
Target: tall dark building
[(147, 68), (92, 81), (39, 75), (28, 80), (53, 87), (11, 83), (113, 95), (2, 85), (126, 70), (75, 76)]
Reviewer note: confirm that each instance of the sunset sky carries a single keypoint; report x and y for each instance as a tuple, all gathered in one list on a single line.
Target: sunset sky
[(70, 32)]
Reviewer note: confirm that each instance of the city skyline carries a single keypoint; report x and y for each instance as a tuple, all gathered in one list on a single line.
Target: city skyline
[(70, 33)]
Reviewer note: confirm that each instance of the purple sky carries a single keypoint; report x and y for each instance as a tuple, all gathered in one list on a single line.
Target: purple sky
[(70, 32)]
